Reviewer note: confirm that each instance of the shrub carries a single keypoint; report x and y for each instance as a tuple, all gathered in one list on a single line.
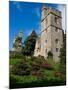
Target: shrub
[(24, 82), (38, 74), (35, 67), (16, 55), (57, 74), (38, 60), (47, 66), (21, 68)]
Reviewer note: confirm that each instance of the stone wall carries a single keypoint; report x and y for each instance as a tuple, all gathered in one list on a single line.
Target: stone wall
[(51, 38)]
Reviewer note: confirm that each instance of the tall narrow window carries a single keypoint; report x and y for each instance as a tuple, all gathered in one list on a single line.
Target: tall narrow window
[(56, 41), (46, 30), (57, 49), (56, 20), (46, 50), (37, 50), (46, 21), (56, 29), (46, 41)]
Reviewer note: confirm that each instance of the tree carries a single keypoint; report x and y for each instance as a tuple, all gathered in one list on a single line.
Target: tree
[(63, 57), (63, 51), (30, 44)]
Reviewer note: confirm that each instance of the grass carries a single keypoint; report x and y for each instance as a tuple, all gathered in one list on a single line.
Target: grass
[(25, 79), (14, 61), (31, 81)]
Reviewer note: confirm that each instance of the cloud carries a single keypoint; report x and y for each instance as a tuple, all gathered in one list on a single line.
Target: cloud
[(37, 11), (18, 6), (62, 8)]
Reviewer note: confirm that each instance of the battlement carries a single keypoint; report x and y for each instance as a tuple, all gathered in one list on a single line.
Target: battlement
[(48, 10)]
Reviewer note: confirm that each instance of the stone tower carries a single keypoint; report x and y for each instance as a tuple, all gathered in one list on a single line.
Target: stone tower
[(51, 38), (17, 43)]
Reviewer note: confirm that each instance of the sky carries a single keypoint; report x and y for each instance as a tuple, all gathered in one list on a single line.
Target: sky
[(26, 16)]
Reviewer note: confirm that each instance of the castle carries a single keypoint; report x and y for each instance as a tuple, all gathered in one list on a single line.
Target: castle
[(51, 37)]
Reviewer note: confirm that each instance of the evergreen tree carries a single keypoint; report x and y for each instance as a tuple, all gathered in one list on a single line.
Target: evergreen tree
[(30, 44), (63, 50), (63, 57)]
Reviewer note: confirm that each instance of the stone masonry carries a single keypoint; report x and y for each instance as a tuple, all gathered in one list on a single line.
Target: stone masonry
[(51, 37)]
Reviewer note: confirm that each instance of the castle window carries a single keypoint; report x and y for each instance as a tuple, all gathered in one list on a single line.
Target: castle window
[(46, 30), (56, 20), (37, 50), (56, 41), (46, 50), (57, 49), (46, 21), (46, 41), (56, 29)]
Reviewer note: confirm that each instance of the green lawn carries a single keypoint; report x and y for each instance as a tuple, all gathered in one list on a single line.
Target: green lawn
[(14, 61)]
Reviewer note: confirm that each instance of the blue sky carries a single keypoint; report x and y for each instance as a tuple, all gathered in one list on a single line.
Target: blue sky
[(26, 17)]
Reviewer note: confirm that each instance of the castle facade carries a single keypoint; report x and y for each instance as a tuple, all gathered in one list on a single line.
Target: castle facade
[(51, 37)]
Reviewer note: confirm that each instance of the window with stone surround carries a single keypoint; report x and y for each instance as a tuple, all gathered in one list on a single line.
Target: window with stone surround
[(57, 49), (46, 50), (46, 30), (45, 41), (56, 20), (46, 21), (56, 29), (56, 41)]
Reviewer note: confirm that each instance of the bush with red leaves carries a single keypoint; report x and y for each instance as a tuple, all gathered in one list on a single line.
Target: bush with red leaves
[(47, 66)]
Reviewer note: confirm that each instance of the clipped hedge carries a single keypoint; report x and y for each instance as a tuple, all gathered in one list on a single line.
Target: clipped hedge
[(17, 82)]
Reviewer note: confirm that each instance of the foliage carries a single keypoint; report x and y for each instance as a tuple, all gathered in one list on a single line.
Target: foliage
[(50, 55), (29, 44), (21, 68), (63, 56), (63, 51), (14, 61), (57, 74), (35, 71), (47, 66), (26, 65), (16, 55), (32, 81)]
